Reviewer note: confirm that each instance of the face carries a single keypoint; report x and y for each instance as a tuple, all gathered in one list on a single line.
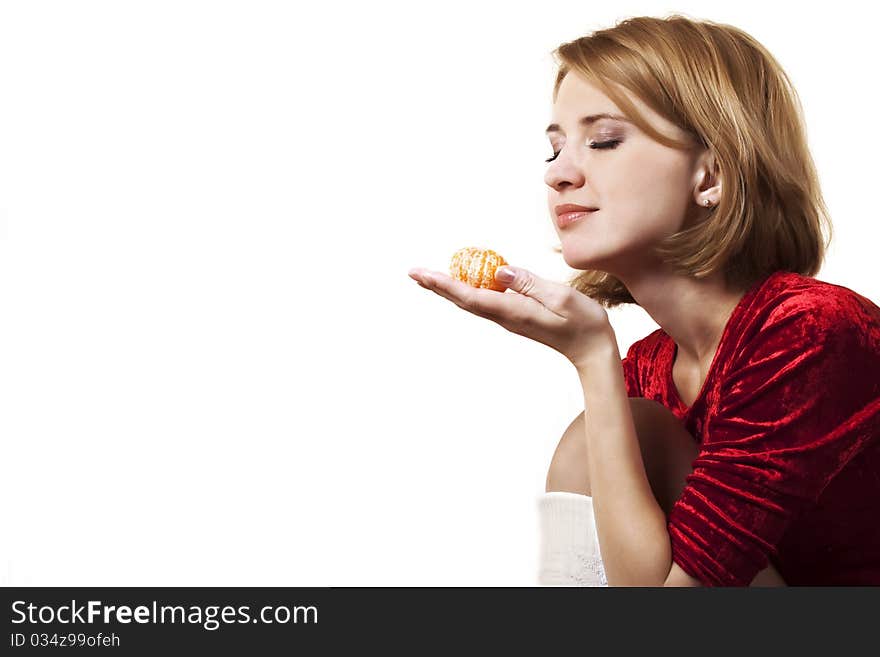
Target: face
[(644, 191)]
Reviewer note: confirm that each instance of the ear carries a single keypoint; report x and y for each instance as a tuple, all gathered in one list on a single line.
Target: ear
[(707, 179)]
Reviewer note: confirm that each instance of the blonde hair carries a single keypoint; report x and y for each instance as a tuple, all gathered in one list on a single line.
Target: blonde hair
[(723, 88)]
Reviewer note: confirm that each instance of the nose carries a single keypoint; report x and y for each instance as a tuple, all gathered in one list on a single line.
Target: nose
[(564, 172)]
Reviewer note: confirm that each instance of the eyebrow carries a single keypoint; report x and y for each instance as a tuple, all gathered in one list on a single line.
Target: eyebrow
[(588, 120)]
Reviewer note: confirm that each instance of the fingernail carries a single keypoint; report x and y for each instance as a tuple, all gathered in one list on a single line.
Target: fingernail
[(504, 275)]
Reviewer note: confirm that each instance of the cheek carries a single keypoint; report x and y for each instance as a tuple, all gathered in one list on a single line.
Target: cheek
[(653, 186)]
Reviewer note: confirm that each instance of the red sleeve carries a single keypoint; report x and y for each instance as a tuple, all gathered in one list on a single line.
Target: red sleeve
[(631, 372), (798, 402)]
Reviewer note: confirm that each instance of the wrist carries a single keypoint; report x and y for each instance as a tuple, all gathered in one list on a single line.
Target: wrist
[(601, 349)]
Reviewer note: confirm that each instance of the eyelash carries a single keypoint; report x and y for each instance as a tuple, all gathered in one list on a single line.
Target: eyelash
[(598, 145)]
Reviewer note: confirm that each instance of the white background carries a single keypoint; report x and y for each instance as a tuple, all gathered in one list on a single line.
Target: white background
[(214, 369)]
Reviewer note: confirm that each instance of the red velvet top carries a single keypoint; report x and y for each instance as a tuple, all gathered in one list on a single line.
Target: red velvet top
[(788, 424)]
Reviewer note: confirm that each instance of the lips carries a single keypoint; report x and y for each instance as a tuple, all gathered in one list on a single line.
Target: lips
[(571, 207), (569, 213)]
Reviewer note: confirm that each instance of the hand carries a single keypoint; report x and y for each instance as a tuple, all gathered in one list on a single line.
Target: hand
[(551, 313)]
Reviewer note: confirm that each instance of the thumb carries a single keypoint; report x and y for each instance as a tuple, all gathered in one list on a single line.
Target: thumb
[(559, 299), (522, 281)]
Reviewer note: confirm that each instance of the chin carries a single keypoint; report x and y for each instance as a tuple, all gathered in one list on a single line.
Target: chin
[(577, 259)]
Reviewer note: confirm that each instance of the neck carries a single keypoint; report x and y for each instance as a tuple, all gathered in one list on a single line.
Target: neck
[(693, 312)]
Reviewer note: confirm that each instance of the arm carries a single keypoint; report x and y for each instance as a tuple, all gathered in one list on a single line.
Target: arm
[(631, 556), (798, 401), (635, 544), (569, 473)]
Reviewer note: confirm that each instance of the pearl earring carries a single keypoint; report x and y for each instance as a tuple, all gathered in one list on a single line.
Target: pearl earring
[(708, 203)]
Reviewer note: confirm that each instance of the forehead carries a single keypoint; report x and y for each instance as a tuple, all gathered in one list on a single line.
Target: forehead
[(575, 93), (577, 97)]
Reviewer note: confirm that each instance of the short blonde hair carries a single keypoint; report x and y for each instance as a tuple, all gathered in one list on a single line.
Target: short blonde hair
[(728, 93)]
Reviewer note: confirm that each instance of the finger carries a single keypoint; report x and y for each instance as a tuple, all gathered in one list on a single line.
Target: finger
[(474, 300), (512, 311), (555, 297), (413, 274)]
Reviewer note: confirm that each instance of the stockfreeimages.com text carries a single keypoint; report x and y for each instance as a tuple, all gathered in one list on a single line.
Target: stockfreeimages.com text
[(210, 617)]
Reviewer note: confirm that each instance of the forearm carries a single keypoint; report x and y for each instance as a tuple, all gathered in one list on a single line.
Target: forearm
[(631, 524)]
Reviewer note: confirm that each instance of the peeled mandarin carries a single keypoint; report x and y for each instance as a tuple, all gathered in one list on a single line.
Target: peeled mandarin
[(476, 267)]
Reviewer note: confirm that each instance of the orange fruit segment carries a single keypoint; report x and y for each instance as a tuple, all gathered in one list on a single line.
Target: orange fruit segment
[(476, 267)]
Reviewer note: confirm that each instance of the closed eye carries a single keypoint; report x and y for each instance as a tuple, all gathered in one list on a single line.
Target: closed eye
[(596, 145)]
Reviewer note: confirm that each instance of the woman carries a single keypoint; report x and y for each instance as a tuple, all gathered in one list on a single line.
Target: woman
[(739, 443)]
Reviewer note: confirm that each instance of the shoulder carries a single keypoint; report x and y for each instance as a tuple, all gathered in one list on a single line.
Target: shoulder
[(800, 333), (647, 346), (791, 293), (800, 310), (640, 355)]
